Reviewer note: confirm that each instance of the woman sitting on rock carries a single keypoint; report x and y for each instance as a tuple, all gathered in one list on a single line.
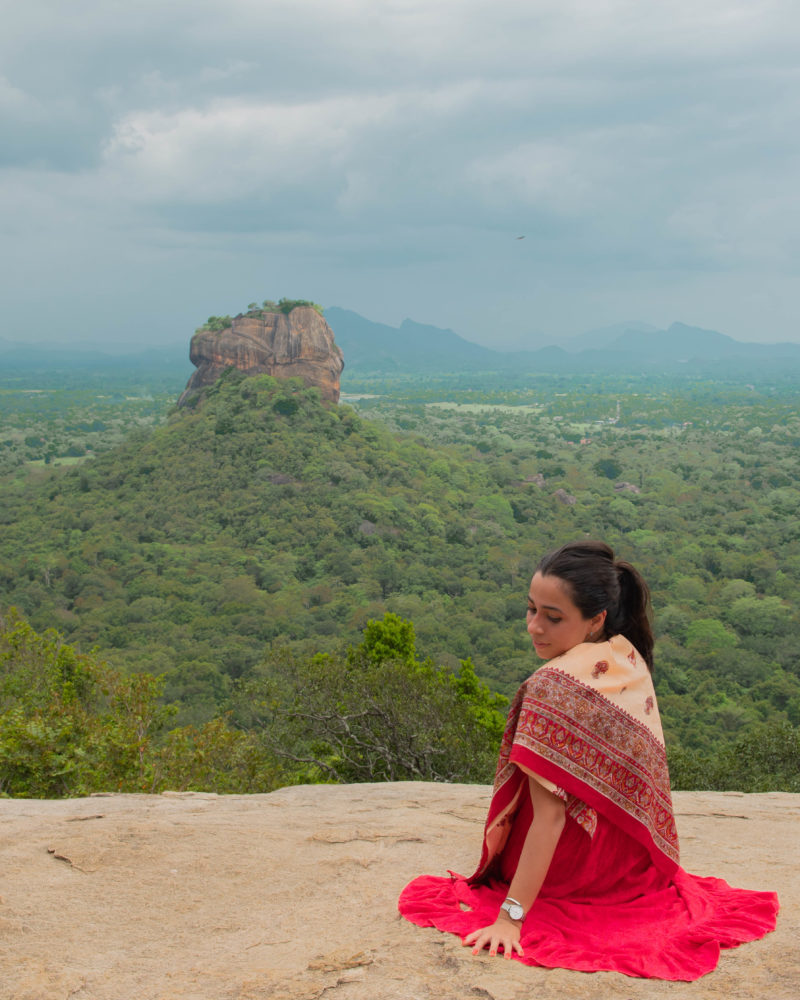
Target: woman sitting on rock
[(580, 856)]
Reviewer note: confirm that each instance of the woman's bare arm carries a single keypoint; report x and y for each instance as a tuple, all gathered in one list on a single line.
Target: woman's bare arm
[(534, 861)]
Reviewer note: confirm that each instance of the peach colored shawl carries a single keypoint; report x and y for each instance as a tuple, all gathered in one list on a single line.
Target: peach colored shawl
[(586, 725)]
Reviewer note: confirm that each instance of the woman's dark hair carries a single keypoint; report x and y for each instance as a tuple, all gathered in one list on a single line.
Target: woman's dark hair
[(597, 581)]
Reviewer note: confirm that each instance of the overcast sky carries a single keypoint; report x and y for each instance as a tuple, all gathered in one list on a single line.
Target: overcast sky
[(163, 161)]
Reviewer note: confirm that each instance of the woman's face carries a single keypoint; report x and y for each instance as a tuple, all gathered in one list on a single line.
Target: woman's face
[(554, 622)]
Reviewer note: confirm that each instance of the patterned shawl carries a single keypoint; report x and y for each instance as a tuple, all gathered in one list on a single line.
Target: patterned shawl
[(587, 726)]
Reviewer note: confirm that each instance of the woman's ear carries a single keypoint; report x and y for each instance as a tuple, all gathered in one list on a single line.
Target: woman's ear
[(596, 625)]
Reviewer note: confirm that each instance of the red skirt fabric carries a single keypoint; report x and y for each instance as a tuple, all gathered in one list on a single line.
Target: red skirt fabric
[(603, 906)]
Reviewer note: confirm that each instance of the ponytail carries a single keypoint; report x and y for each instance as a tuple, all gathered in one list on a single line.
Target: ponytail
[(598, 582), (632, 618)]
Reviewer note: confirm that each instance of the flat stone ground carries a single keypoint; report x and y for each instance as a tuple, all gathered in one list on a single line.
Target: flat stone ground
[(292, 896)]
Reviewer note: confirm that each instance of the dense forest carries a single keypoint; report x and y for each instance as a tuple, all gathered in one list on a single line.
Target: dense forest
[(239, 542)]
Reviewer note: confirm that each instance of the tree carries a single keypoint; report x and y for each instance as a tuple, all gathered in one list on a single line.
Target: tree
[(376, 713), (69, 725), (390, 639), (607, 467), (761, 759), (707, 636)]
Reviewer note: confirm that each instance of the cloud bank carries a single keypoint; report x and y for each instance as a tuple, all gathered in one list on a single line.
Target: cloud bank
[(163, 162)]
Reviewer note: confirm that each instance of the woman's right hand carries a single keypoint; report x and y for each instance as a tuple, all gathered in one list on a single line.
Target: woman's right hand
[(504, 933)]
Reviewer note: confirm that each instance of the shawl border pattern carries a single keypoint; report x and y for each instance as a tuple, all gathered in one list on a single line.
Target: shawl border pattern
[(573, 727)]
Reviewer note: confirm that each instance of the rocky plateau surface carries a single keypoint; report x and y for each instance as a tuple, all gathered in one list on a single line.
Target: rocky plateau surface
[(292, 896)]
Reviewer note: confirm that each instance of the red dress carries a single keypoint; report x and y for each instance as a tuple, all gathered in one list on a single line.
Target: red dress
[(615, 898)]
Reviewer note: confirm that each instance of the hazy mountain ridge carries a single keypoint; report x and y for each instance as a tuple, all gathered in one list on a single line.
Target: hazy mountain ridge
[(419, 348), (413, 346), (410, 346), (683, 341)]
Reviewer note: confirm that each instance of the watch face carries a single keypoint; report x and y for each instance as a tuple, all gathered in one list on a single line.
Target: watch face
[(514, 911)]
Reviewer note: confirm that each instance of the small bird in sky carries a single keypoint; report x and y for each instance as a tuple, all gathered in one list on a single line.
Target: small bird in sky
[(520, 237)]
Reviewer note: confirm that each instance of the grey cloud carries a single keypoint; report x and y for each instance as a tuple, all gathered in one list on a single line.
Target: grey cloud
[(409, 139)]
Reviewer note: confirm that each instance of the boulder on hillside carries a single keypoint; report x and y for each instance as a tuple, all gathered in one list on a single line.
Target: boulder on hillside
[(566, 498), (299, 344)]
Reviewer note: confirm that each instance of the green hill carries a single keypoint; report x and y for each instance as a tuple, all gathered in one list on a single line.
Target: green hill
[(261, 517), (264, 519)]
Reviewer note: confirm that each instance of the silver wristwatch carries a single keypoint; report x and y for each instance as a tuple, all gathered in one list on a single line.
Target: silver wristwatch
[(513, 909)]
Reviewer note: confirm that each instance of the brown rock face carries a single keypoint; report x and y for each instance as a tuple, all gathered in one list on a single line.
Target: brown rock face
[(298, 345)]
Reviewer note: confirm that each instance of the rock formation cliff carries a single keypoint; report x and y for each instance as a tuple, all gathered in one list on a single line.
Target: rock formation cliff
[(299, 344)]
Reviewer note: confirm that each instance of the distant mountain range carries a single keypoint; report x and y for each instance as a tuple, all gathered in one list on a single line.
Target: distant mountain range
[(417, 348), (409, 347), (628, 347)]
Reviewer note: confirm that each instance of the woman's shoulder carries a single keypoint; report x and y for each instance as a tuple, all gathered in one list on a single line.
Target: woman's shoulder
[(588, 661), (611, 675), (585, 654)]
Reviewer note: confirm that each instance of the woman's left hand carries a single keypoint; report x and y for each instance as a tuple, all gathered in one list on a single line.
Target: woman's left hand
[(503, 932)]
